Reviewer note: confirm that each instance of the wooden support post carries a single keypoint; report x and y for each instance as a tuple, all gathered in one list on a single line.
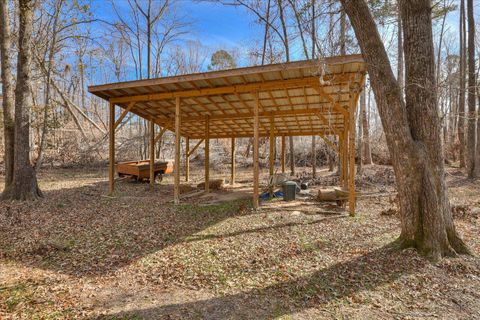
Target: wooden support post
[(340, 158), (351, 170), (152, 154), (176, 185), (271, 156), (187, 160), (314, 157), (232, 169), (345, 159), (207, 154), (283, 154), (111, 147), (256, 135)]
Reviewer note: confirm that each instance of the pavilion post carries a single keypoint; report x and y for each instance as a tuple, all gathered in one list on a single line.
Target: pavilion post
[(283, 154), (187, 159), (152, 154), (207, 154), (256, 134), (351, 171), (271, 156), (232, 168), (345, 157), (314, 157), (340, 158), (111, 147), (176, 185)]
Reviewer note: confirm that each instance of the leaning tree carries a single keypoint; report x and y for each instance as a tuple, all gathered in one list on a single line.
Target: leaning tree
[(412, 126)]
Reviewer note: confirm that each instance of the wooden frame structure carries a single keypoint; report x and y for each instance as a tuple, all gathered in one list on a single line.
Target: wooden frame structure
[(303, 98)]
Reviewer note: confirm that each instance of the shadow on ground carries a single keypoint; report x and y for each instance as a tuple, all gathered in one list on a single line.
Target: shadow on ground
[(80, 231), (374, 269)]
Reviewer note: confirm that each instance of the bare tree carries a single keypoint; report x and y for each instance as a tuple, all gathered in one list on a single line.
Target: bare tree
[(367, 152), (24, 185), (7, 91), (461, 95), (471, 132), (413, 141)]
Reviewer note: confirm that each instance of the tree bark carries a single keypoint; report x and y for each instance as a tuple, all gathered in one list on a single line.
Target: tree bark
[(24, 185), (7, 92), (287, 57), (400, 60), (363, 102), (48, 80), (412, 127), (461, 93), (471, 132), (367, 152)]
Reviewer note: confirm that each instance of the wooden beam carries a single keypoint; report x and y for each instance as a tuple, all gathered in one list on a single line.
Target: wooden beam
[(311, 81), (329, 142), (207, 155), (124, 113), (160, 134), (265, 114), (271, 155), (176, 185), (187, 159), (283, 154), (335, 105), (327, 123), (261, 134), (111, 147), (152, 155), (232, 163), (196, 147), (256, 136)]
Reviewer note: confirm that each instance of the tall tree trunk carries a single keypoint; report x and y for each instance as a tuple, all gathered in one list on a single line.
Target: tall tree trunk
[(287, 57), (48, 80), (361, 128), (7, 91), (400, 60), (360, 136), (24, 185), (265, 35), (471, 132), (461, 93), (367, 152), (413, 140)]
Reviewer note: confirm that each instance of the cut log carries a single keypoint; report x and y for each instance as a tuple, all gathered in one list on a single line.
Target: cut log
[(327, 195), (334, 195), (215, 184)]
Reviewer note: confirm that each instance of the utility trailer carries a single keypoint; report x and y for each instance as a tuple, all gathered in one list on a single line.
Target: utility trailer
[(140, 170)]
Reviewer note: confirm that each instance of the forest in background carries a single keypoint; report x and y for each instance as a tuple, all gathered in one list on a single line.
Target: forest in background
[(75, 47)]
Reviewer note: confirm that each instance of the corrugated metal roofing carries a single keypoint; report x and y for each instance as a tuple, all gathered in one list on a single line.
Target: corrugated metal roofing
[(301, 98)]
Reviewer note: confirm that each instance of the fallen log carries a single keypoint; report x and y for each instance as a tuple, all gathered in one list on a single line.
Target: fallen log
[(215, 184)]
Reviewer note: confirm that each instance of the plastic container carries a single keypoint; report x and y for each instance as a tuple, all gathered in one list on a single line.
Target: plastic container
[(289, 190)]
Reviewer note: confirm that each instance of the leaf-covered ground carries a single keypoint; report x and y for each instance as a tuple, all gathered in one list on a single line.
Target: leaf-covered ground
[(78, 253)]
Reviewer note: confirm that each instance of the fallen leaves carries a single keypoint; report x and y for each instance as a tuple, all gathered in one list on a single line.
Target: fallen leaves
[(77, 254)]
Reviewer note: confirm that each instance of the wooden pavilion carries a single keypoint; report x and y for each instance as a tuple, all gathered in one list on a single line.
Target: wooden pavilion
[(302, 98)]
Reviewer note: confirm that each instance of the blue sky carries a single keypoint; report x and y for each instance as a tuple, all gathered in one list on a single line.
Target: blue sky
[(214, 24)]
